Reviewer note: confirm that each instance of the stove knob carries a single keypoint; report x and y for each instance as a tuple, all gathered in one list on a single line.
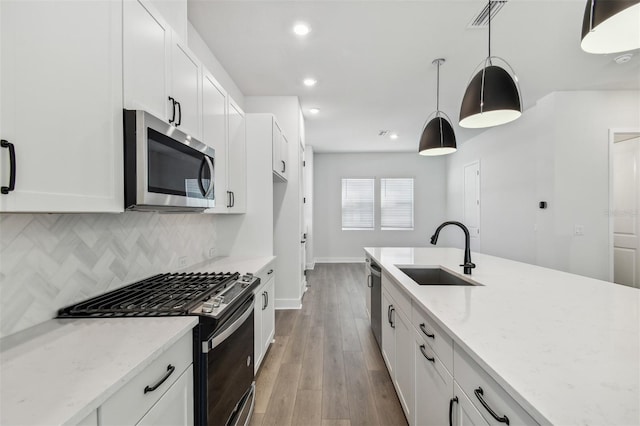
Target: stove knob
[(217, 301), (207, 307)]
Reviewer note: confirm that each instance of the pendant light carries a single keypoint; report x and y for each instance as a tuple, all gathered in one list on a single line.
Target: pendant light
[(437, 137), (610, 26), (493, 95)]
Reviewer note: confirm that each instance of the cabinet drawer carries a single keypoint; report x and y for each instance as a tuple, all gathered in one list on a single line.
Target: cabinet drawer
[(131, 402), (266, 273), (439, 341), (401, 300), (471, 378)]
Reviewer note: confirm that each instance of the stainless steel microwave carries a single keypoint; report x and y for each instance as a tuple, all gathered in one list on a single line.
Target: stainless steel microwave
[(164, 168)]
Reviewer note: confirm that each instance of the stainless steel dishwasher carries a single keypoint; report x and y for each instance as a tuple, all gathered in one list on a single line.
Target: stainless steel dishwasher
[(375, 283)]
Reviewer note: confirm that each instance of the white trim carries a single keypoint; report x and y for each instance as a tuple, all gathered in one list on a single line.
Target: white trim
[(339, 260), (282, 304), (311, 265), (612, 133)]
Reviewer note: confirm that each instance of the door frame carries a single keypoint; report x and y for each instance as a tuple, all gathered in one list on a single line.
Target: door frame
[(612, 133)]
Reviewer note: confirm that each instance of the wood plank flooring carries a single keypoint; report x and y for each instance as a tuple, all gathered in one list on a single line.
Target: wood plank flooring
[(325, 368)]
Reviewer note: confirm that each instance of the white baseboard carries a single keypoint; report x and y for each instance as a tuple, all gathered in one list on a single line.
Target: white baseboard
[(339, 260), (311, 265), (282, 304)]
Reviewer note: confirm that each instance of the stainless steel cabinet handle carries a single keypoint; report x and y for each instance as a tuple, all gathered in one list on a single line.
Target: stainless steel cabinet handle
[(284, 166), (270, 272), (179, 114), (264, 300), (393, 323), (170, 370), (426, 333), (369, 281), (424, 354), (173, 115), (451, 402), (479, 394)]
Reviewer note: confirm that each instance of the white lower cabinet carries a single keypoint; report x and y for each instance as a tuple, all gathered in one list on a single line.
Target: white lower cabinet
[(264, 315), (144, 394), (397, 335), (434, 387), (463, 412), (90, 420), (436, 381), (175, 407)]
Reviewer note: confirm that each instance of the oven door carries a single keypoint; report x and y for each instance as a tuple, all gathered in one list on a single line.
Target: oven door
[(230, 386), (164, 167)]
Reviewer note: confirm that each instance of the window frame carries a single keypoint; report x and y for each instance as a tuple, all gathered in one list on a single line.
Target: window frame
[(413, 204), (373, 203)]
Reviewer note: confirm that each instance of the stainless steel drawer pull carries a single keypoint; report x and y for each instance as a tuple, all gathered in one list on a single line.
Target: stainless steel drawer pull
[(479, 393), (170, 370), (424, 354), (426, 333), (270, 272)]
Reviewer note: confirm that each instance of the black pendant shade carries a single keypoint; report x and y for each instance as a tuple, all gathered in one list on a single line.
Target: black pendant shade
[(491, 98), (437, 138), (610, 26)]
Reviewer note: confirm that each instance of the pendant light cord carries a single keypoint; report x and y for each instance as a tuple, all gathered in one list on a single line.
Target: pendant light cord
[(438, 89), (489, 31)]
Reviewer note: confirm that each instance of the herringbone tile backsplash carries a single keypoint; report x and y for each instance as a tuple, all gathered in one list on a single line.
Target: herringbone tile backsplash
[(48, 261)]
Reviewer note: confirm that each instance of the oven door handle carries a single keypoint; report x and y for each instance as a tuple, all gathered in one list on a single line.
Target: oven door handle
[(224, 335)]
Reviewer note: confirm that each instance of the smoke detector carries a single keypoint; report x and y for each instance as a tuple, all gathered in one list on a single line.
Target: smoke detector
[(623, 59)]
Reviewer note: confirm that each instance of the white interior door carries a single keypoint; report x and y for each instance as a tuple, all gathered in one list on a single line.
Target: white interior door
[(472, 202), (626, 211)]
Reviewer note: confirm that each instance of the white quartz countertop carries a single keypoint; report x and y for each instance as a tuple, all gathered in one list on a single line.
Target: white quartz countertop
[(59, 372), (565, 347), (233, 264)]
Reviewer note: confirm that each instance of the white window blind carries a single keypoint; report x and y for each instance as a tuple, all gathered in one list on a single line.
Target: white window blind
[(357, 204), (396, 204)]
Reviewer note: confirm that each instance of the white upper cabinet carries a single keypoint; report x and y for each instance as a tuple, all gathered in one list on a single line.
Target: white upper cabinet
[(236, 159), (185, 88), (280, 153), (146, 42), (161, 75), (214, 134), (61, 106)]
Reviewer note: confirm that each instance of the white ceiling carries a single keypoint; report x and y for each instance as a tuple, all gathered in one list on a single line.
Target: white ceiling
[(372, 59)]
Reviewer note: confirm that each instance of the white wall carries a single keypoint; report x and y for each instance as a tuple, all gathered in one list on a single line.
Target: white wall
[(556, 152), (331, 243), (308, 207)]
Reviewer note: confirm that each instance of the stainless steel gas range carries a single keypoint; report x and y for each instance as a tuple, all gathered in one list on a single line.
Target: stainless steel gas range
[(222, 342)]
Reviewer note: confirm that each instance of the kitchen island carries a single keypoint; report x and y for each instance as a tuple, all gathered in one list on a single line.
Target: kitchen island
[(566, 348)]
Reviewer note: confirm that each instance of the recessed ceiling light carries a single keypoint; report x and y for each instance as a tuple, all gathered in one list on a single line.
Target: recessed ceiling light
[(393, 136), (314, 110), (301, 29), (310, 82), (623, 59)]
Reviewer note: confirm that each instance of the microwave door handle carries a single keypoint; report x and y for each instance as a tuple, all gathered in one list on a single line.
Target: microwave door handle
[(210, 163), (200, 172)]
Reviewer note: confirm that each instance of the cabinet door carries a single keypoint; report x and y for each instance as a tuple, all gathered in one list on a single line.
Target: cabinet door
[(214, 134), (146, 43), (367, 290), (175, 407), (61, 105), (185, 88), (434, 387), (388, 336), (276, 146), (284, 153), (237, 158), (404, 362), (268, 314), (465, 414), (258, 308)]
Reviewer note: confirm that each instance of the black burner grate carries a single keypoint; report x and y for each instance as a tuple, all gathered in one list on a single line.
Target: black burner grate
[(164, 294)]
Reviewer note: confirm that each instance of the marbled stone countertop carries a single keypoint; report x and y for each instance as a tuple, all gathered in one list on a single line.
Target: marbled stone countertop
[(57, 373), (564, 346)]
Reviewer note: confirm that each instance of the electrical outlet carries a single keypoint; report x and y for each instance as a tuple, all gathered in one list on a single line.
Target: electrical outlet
[(212, 252), (578, 230), (182, 262)]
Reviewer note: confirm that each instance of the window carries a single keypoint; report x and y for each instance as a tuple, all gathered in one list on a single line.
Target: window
[(357, 204), (396, 204)]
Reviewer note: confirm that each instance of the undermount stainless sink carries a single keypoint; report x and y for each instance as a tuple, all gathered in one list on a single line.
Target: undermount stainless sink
[(434, 276)]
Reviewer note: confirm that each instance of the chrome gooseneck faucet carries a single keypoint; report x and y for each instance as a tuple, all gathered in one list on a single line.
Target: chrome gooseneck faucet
[(468, 264)]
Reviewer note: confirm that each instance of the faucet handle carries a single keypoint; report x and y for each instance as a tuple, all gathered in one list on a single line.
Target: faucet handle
[(468, 265)]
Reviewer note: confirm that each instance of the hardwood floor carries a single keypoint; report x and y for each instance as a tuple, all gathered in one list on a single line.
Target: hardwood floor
[(325, 367)]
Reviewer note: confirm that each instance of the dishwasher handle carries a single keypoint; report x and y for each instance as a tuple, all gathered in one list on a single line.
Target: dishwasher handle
[(375, 270)]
